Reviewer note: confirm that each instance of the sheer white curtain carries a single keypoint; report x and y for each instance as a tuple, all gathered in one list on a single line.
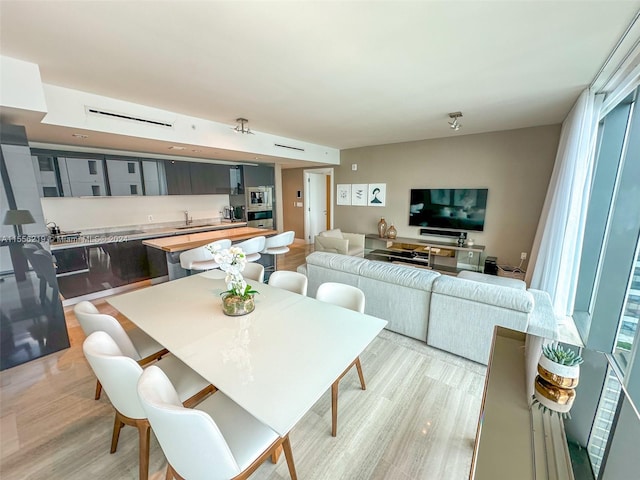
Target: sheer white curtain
[(556, 249)]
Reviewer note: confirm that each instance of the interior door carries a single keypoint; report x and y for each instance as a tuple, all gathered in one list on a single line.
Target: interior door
[(317, 207)]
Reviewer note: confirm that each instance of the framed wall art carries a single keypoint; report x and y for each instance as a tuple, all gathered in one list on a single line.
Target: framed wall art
[(343, 194), (377, 194), (359, 194)]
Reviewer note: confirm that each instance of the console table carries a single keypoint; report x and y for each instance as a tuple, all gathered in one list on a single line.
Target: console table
[(512, 440), (441, 256)]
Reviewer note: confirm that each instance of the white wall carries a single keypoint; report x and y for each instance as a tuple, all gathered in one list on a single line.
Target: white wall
[(77, 214), (20, 85)]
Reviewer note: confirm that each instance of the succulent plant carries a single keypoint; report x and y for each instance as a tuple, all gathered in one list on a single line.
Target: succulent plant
[(563, 415), (560, 355)]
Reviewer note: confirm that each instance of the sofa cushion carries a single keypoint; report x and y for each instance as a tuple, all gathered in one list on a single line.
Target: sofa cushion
[(399, 274), (335, 261), (495, 295), (335, 233), (332, 267), (399, 294), (493, 279)]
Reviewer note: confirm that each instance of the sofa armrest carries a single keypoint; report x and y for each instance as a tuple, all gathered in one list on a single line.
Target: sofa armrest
[(355, 239), (331, 244)]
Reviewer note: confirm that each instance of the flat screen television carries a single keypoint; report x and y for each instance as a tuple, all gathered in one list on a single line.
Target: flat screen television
[(448, 208)]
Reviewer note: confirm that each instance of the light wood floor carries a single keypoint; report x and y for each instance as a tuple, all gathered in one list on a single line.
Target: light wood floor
[(416, 420)]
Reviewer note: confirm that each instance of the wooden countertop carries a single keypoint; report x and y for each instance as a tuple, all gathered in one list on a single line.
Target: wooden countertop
[(178, 243)]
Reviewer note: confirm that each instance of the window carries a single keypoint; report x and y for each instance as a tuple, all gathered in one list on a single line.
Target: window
[(628, 324), (95, 189), (134, 189), (93, 168), (132, 167), (45, 164), (606, 307), (50, 192)]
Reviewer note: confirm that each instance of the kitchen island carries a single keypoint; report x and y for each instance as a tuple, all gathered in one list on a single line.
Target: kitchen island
[(100, 262), (174, 245)]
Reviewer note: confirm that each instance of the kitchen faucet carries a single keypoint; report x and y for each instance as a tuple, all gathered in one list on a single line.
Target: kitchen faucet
[(187, 220)]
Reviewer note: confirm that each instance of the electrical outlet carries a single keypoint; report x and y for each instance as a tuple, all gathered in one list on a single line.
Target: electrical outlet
[(470, 254), (150, 218), (523, 256)]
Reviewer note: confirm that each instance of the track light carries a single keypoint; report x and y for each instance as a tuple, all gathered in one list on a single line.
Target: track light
[(455, 124), (242, 126)]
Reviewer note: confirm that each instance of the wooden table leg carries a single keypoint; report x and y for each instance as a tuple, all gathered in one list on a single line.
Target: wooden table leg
[(276, 454)]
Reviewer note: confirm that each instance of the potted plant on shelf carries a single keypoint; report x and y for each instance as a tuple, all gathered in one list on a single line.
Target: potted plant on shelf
[(558, 376), (238, 298)]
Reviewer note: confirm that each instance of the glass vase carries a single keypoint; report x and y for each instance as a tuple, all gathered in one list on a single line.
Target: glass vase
[(392, 232), (382, 227), (235, 305)]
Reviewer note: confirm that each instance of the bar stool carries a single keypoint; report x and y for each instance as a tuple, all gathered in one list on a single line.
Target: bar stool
[(278, 245), (252, 248), (201, 258)]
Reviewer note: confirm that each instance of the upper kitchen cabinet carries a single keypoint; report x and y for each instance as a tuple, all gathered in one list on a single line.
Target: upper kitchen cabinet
[(47, 175), (207, 178), (82, 177), (196, 178), (236, 180), (125, 177), (154, 177), (258, 176), (69, 177), (178, 177)]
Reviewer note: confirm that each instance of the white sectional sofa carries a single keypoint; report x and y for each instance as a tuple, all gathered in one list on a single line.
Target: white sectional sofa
[(455, 314)]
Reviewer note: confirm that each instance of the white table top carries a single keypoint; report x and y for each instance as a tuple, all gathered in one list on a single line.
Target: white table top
[(275, 362)]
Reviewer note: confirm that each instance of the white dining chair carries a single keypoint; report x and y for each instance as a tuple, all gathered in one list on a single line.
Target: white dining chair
[(201, 258), (292, 281), (119, 376), (133, 343), (215, 440), (352, 298), (252, 248), (254, 271), (278, 245)]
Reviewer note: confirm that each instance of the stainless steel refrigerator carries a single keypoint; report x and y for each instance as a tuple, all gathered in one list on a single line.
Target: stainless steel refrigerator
[(32, 320)]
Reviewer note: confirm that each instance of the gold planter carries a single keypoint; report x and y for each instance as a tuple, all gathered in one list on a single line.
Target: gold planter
[(234, 305)]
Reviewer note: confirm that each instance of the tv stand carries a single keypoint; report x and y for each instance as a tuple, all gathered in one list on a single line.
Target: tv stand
[(444, 257)]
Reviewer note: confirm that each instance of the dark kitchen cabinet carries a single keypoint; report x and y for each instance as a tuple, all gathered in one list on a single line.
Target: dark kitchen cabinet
[(209, 178), (107, 265), (178, 177), (258, 176)]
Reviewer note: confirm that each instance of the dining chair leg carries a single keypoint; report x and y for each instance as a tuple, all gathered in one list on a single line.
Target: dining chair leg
[(117, 426), (334, 408), (359, 368), (98, 390), (144, 430), (288, 455)]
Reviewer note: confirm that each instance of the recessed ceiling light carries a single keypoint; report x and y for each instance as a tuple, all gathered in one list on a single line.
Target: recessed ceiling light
[(79, 135), (174, 147)]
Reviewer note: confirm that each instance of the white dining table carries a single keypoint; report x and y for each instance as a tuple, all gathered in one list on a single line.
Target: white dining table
[(275, 362)]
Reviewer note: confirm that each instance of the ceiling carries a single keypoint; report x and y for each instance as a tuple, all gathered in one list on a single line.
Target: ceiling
[(340, 74)]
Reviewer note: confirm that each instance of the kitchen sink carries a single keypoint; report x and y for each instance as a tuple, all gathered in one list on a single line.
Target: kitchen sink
[(185, 227)]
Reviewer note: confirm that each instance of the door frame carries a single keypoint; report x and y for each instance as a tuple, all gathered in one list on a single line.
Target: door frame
[(328, 172)]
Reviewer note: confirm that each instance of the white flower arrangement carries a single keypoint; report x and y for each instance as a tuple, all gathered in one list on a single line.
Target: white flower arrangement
[(232, 261)]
